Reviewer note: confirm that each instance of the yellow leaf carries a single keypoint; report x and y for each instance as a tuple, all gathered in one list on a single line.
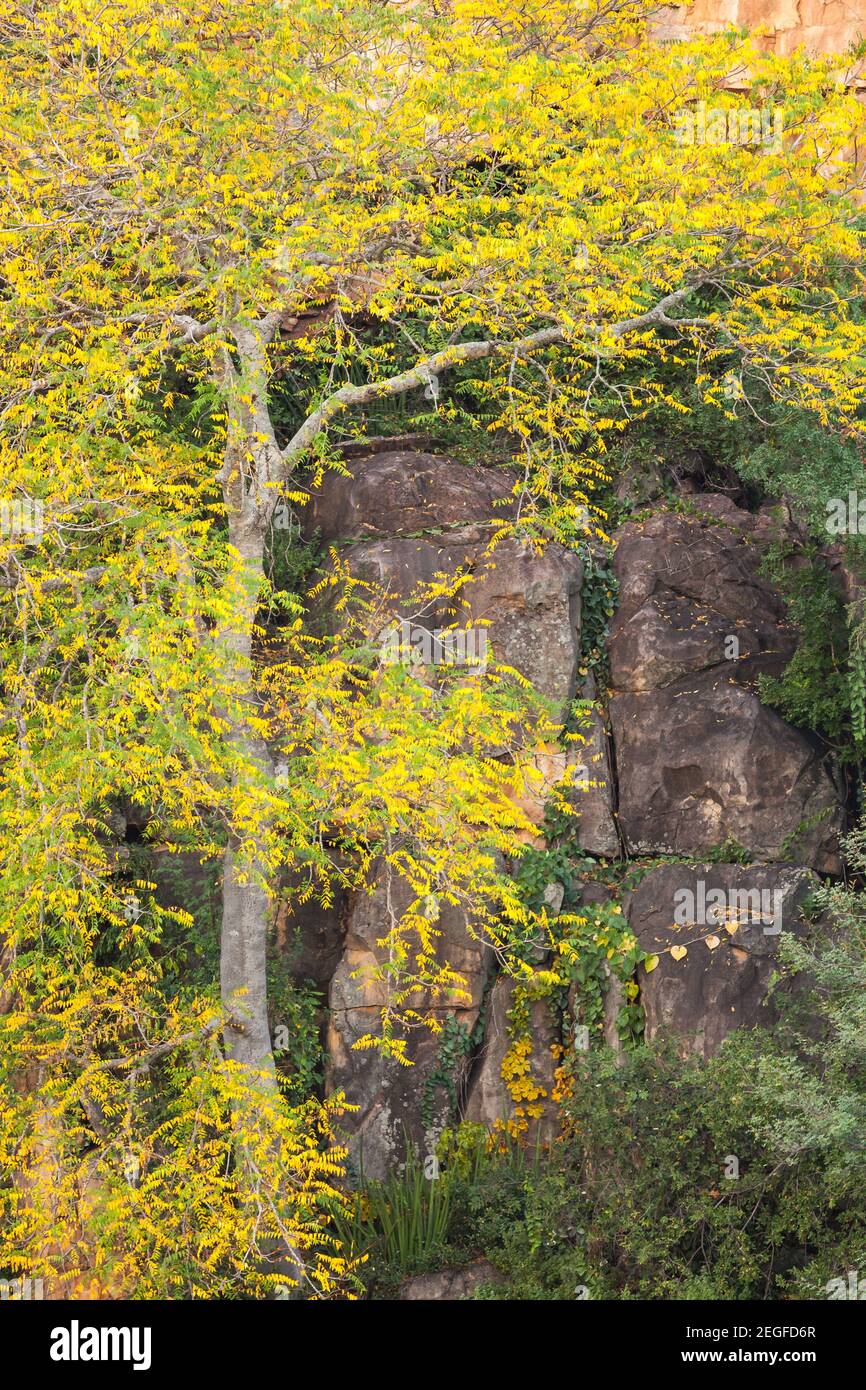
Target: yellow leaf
[(678, 952)]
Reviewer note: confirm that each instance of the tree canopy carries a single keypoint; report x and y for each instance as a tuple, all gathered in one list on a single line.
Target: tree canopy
[(234, 238)]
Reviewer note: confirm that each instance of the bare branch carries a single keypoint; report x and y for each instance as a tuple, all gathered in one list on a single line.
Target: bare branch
[(440, 362), (147, 1059), (89, 576)]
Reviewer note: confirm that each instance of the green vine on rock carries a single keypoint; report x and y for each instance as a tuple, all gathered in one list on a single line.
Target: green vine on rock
[(456, 1042), (598, 600)]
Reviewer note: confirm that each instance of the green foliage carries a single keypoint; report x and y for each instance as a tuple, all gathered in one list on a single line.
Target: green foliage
[(640, 1197), (814, 691), (598, 599), (764, 450), (636, 1202), (455, 1042), (538, 868), (751, 444), (292, 563), (399, 1224), (458, 421), (729, 852), (599, 947), (188, 889), (295, 1011), (857, 677), (795, 456), (810, 1088)]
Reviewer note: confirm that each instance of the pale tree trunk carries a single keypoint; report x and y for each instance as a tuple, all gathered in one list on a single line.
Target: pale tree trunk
[(246, 902), (251, 453), (243, 951)]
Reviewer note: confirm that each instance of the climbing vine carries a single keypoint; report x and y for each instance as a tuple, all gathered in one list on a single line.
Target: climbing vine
[(456, 1042), (598, 600)]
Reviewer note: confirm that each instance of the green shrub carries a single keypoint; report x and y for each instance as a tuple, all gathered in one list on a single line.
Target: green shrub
[(814, 691), (737, 1178)]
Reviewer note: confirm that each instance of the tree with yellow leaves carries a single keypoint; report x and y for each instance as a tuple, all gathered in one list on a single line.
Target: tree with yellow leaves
[(371, 201)]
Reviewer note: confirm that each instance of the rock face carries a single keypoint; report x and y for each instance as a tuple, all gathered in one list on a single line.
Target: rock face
[(310, 938), (402, 493), (690, 594), (819, 26), (593, 797), (399, 1104), (679, 758), (449, 1284), (532, 605), (729, 918), (703, 763), (700, 760), (403, 519), (526, 605)]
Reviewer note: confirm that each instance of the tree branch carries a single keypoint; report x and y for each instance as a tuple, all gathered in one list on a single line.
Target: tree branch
[(88, 576), (161, 1050), (448, 358)]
